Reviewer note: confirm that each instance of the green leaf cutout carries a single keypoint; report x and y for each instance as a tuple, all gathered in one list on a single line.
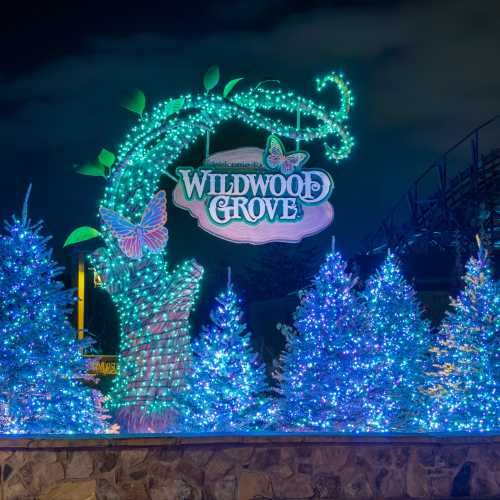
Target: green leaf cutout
[(94, 169), (174, 106), (211, 78), (263, 82), (230, 86), (135, 102), (106, 157), (80, 234)]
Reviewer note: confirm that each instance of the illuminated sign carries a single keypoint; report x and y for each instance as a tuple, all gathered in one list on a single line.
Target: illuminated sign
[(102, 364), (253, 196)]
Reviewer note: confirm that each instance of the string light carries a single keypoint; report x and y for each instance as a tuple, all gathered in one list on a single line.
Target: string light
[(462, 384), (322, 375), (398, 342), (227, 388), (41, 388)]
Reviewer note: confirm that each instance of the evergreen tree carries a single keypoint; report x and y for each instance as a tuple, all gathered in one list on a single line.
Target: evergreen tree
[(41, 362), (464, 394), (227, 389), (322, 375), (399, 340)]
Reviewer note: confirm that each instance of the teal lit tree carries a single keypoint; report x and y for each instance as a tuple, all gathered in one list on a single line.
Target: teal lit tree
[(322, 375), (399, 340), (462, 386), (227, 389), (155, 345), (153, 300), (43, 370)]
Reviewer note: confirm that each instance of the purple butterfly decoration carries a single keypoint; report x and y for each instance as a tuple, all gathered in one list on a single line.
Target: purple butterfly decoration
[(150, 232), (275, 156)]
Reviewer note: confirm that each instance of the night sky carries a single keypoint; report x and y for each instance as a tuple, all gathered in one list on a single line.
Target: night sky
[(423, 74)]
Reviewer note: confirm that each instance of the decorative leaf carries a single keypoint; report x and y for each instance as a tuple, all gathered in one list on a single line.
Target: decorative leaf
[(107, 158), (211, 78), (80, 234), (230, 86), (329, 149), (174, 106), (25, 205), (266, 81), (136, 102), (94, 169)]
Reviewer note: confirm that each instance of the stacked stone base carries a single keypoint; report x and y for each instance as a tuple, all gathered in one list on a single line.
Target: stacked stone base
[(251, 467)]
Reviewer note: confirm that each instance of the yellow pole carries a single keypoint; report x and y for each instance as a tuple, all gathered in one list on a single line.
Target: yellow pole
[(81, 295)]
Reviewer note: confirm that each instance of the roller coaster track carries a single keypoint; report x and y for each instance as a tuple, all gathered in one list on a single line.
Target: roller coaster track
[(456, 197)]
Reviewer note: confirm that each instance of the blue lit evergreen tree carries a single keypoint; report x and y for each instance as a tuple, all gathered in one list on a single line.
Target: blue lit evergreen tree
[(42, 367), (322, 376), (227, 389), (399, 340), (464, 394)]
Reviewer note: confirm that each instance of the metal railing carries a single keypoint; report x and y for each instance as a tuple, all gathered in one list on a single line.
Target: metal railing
[(464, 173)]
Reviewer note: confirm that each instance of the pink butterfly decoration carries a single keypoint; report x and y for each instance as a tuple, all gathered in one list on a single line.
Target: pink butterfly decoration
[(276, 157), (150, 232)]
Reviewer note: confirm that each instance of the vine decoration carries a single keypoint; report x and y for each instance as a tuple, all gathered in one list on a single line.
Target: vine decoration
[(153, 302), (160, 136)]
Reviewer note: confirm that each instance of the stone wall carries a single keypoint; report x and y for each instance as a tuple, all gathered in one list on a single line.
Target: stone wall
[(250, 467)]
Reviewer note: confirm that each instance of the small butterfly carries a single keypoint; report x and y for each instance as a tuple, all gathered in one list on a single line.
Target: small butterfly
[(276, 157), (149, 232)]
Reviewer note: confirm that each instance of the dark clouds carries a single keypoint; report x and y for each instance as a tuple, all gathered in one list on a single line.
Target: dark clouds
[(423, 72)]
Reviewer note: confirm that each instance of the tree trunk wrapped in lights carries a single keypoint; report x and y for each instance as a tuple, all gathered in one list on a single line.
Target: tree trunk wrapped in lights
[(463, 386), (154, 305), (155, 351)]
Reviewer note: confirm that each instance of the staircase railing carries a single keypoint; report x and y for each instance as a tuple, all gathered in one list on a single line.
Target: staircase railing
[(429, 202)]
